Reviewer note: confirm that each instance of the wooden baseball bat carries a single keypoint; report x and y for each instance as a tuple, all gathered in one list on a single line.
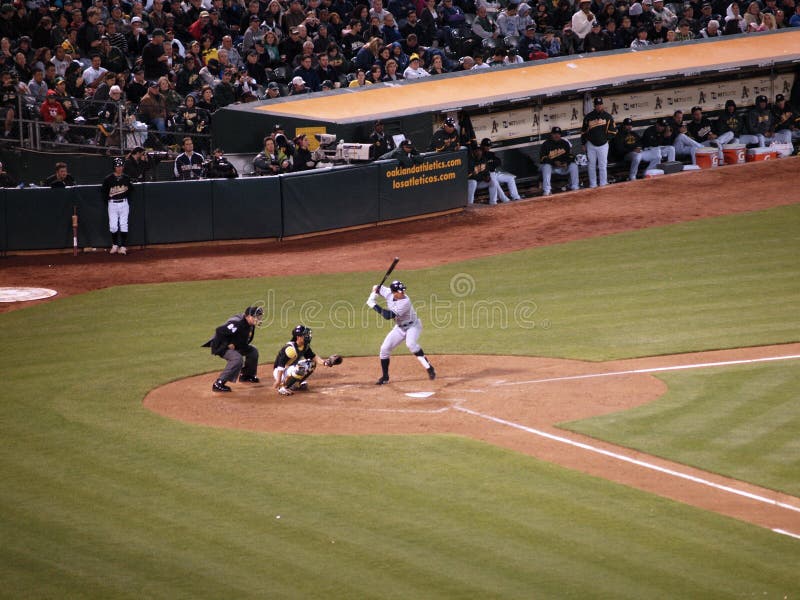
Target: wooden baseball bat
[(74, 231), (389, 270)]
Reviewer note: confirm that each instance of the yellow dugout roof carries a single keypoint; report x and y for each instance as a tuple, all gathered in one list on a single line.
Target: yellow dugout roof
[(540, 78)]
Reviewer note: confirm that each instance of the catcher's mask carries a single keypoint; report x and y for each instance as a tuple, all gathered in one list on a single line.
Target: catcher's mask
[(397, 286), (256, 312), (305, 332)]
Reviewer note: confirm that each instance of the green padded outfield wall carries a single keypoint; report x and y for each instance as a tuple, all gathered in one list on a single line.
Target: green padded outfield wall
[(247, 208)]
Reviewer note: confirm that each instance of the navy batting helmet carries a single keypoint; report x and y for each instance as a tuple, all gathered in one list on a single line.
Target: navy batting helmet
[(397, 286), (302, 331)]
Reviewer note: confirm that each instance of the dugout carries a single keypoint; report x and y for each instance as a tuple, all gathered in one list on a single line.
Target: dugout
[(517, 105)]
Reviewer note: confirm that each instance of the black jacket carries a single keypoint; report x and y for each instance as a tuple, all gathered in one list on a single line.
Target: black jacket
[(236, 331)]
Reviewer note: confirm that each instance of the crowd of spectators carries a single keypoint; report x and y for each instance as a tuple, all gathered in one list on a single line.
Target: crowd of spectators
[(84, 67)]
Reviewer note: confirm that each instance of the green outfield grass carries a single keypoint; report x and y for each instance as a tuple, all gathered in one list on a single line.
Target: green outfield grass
[(738, 421), (101, 498)]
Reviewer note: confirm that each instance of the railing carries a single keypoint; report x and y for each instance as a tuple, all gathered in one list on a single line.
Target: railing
[(88, 133)]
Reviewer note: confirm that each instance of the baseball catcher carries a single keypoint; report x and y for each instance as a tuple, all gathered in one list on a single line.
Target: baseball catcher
[(296, 361), (231, 342)]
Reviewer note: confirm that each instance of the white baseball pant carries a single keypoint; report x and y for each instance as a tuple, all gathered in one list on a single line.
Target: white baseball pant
[(118, 216), (396, 336), (511, 181), (651, 155), (473, 186), (547, 175), (598, 164)]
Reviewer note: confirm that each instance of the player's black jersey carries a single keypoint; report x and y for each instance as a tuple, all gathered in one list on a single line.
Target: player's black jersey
[(290, 354), (598, 127), (117, 188)]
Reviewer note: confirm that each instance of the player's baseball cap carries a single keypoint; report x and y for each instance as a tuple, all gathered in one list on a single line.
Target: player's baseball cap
[(555, 129), (118, 162), (273, 85), (136, 20), (450, 122), (598, 101), (405, 143), (730, 103), (486, 142), (414, 56), (627, 121), (661, 122), (327, 84), (694, 108), (761, 99), (277, 127), (780, 98)]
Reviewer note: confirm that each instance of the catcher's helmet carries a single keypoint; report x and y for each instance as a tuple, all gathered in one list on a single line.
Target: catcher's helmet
[(397, 286), (302, 330)]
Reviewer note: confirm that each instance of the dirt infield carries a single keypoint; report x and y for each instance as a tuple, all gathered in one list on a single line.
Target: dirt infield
[(469, 398), (507, 401)]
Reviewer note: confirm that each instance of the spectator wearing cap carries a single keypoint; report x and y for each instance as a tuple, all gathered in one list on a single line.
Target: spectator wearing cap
[(154, 59), (153, 108), (493, 162), (445, 139), (483, 26), (657, 33), (405, 154), (224, 92), (598, 128), (414, 70), (293, 17), (570, 42), (273, 90), (509, 21), (291, 46), (555, 156), (298, 86), (582, 20), (380, 143), (137, 38), (529, 46), (667, 16), (707, 14), (51, 110), (597, 40), (251, 34)]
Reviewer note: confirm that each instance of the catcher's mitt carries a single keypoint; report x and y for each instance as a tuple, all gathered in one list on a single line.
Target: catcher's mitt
[(333, 359)]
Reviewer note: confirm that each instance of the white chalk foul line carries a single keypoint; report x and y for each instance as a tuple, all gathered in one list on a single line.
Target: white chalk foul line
[(789, 533), (634, 461), (654, 370)]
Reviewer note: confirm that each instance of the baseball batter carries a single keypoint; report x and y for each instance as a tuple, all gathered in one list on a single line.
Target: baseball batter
[(407, 326), (117, 190), (296, 362)]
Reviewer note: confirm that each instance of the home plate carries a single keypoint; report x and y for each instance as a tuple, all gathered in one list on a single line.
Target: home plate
[(420, 394)]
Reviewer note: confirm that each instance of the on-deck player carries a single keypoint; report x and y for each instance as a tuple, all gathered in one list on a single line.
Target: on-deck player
[(407, 326), (117, 190)]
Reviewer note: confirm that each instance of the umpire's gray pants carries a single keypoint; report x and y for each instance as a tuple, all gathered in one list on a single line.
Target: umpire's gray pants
[(234, 359)]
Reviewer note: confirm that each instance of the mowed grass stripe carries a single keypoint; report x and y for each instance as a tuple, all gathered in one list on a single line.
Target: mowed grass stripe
[(739, 421)]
